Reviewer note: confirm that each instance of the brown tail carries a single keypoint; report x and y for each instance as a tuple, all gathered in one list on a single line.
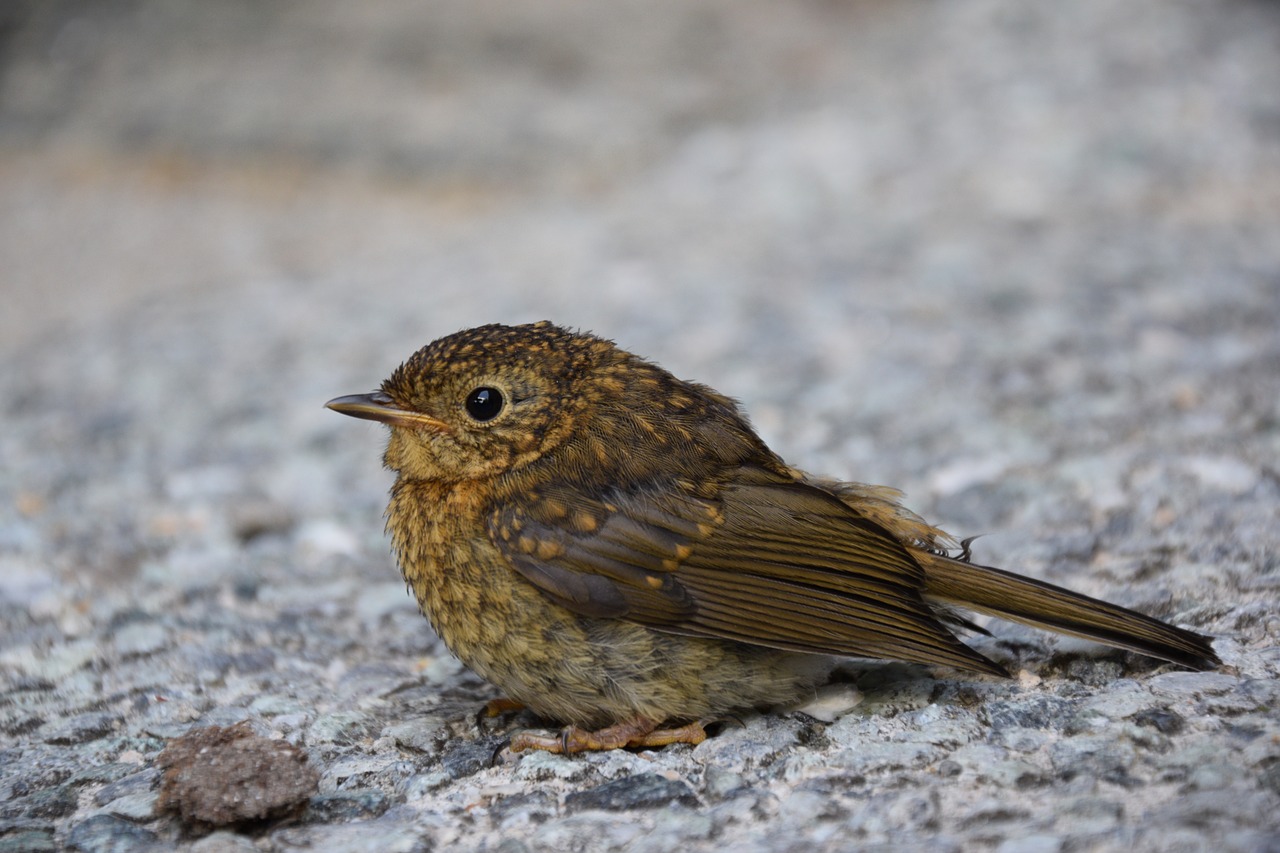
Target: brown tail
[(999, 593)]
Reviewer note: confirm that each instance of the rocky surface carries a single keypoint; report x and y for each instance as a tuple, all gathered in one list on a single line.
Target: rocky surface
[(1019, 260)]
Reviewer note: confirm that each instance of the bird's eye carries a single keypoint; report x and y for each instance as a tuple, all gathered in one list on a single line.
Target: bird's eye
[(483, 404)]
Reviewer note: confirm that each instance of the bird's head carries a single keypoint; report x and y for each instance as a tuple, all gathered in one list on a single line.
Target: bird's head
[(495, 399)]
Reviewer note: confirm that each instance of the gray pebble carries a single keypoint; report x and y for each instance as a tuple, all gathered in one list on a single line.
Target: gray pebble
[(138, 807), (384, 835), (1186, 685), (223, 842), (1162, 720), (137, 782), (358, 769), (108, 834), (539, 766), (643, 791), (468, 757), (421, 734), (351, 804), (1036, 712)]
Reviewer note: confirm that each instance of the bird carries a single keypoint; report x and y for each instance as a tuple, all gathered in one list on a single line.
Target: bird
[(619, 552)]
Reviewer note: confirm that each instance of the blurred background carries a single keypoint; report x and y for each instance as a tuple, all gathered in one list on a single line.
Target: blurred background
[(645, 153)]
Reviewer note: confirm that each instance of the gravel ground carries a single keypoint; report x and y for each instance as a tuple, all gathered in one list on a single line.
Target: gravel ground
[(1019, 260)]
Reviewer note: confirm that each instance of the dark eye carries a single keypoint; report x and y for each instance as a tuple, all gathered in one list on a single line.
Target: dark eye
[(483, 404)]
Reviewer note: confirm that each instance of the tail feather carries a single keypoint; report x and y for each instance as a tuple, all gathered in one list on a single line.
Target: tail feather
[(998, 593)]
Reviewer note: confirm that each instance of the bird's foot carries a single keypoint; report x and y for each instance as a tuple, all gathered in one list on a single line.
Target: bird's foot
[(638, 733)]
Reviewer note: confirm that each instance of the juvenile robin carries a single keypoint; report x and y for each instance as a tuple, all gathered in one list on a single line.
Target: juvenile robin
[(618, 551)]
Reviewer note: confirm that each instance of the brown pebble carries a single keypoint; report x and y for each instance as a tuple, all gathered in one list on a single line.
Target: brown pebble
[(217, 776)]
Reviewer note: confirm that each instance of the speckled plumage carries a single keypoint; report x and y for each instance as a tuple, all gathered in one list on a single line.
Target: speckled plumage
[(615, 547)]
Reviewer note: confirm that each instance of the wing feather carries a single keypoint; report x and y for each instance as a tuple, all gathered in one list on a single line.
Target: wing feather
[(769, 561)]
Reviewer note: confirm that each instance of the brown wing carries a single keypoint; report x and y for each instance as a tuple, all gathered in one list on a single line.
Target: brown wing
[(769, 561)]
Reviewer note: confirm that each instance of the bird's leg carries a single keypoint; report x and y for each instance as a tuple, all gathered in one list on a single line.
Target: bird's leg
[(639, 732), (501, 705), (495, 708)]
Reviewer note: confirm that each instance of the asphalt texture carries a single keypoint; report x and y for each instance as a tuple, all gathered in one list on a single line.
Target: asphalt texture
[(1021, 261)]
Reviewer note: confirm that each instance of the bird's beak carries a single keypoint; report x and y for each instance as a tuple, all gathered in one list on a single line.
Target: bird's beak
[(379, 406)]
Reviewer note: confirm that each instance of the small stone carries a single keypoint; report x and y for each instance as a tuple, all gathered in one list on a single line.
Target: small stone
[(357, 769), (220, 776), (136, 783), (1022, 740), (539, 766), (524, 808), (107, 834), (645, 791), (224, 842), (421, 734), (390, 834), (104, 773), (1164, 721), (470, 757), (1035, 712), (358, 804), (1185, 685), (1119, 701), (139, 807), (832, 702), (421, 785)]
